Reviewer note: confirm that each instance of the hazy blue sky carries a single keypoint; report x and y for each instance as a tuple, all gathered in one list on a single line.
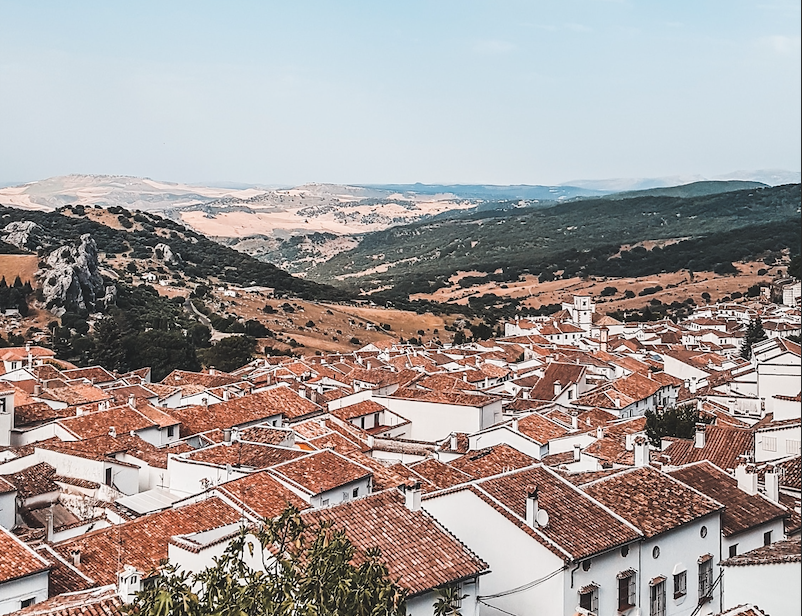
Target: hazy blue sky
[(374, 91)]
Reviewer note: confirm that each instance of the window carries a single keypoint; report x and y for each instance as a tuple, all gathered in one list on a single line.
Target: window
[(734, 550), (792, 447), (626, 590), (767, 538), (656, 552), (770, 443), (680, 584), (705, 577), (324, 502), (170, 431), (27, 602), (586, 565), (703, 532), (108, 476), (657, 597), (589, 599), (355, 492)]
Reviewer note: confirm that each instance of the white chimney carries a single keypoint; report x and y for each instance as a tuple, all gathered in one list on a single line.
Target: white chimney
[(112, 431), (302, 392), (629, 445), (525, 394), (226, 436), (557, 388), (617, 403), (371, 441), (532, 506), (131, 401), (515, 424), (693, 384), (37, 389), (699, 436), (574, 421), (600, 432), (129, 582), (604, 335), (577, 452), (412, 496), (641, 451), (453, 443), (76, 557), (773, 485), (226, 395), (205, 401), (746, 476)]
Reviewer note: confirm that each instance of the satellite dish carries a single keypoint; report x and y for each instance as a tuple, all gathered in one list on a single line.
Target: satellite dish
[(542, 518)]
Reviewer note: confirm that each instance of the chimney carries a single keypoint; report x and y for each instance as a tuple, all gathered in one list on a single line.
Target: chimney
[(212, 371), (629, 442), (302, 392), (746, 476), (226, 436), (371, 441), (313, 396), (525, 394), (577, 452), (532, 506), (557, 388), (515, 424), (600, 432), (76, 557), (131, 401), (453, 443), (37, 389), (49, 535), (226, 395), (412, 494), (692, 385), (604, 336), (699, 436), (112, 431), (773, 485), (641, 451), (574, 421), (617, 403), (205, 402)]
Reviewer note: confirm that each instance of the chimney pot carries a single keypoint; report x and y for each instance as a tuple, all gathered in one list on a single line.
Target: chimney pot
[(557, 388), (746, 475), (642, 453), (532, 506), (699, 436), (412, 496), (76, 557), (577, 452), (226, 395), (227, 436), (773, 485), (453, 443), (131, 401), (112, 431), (574, 421), (37, 389), (600, 432)]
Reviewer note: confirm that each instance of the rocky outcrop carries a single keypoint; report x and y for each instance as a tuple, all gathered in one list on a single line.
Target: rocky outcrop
[(71, 279), (20, 233), (167, 254)]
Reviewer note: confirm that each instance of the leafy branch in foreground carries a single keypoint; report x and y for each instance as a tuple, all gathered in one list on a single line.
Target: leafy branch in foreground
[(291, 569)]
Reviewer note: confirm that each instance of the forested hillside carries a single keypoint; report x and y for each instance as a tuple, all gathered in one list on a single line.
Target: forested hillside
[(577, 238)]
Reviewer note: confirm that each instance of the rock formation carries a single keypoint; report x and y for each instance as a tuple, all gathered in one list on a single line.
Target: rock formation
[(19, 233), (71, 280)]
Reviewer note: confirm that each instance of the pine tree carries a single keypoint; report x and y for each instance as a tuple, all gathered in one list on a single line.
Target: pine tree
[(754, 334)]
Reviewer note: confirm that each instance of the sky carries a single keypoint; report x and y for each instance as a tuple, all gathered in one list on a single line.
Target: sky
[(494, 92)]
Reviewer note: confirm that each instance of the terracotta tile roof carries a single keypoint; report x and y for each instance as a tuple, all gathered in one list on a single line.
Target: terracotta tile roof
[(74, 395), (419, 553), (19, 353), (204, 379), (63, 576), (38, 412), (93, 602), (120, 395), (566, 374), (787, 551), (439, 474), (593, 418), (142, 543), (261, 495), (463, 443), (337, 442), (650, 500), (265, 435), (492, 461), (443, 397), (637, 386), (34, 480), (321, 471), (123, 419), (18, 559), (360, 409), (245, 410), (580, 478), (742, 511), (540, 428), (578, 525), (244, 455), (606, 398), (723, 447), (93, 374), (790, 472)]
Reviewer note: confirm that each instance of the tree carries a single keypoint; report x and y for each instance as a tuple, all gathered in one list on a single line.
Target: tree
[(313, 573), (229, 353), (754, 334), (679, 421)]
